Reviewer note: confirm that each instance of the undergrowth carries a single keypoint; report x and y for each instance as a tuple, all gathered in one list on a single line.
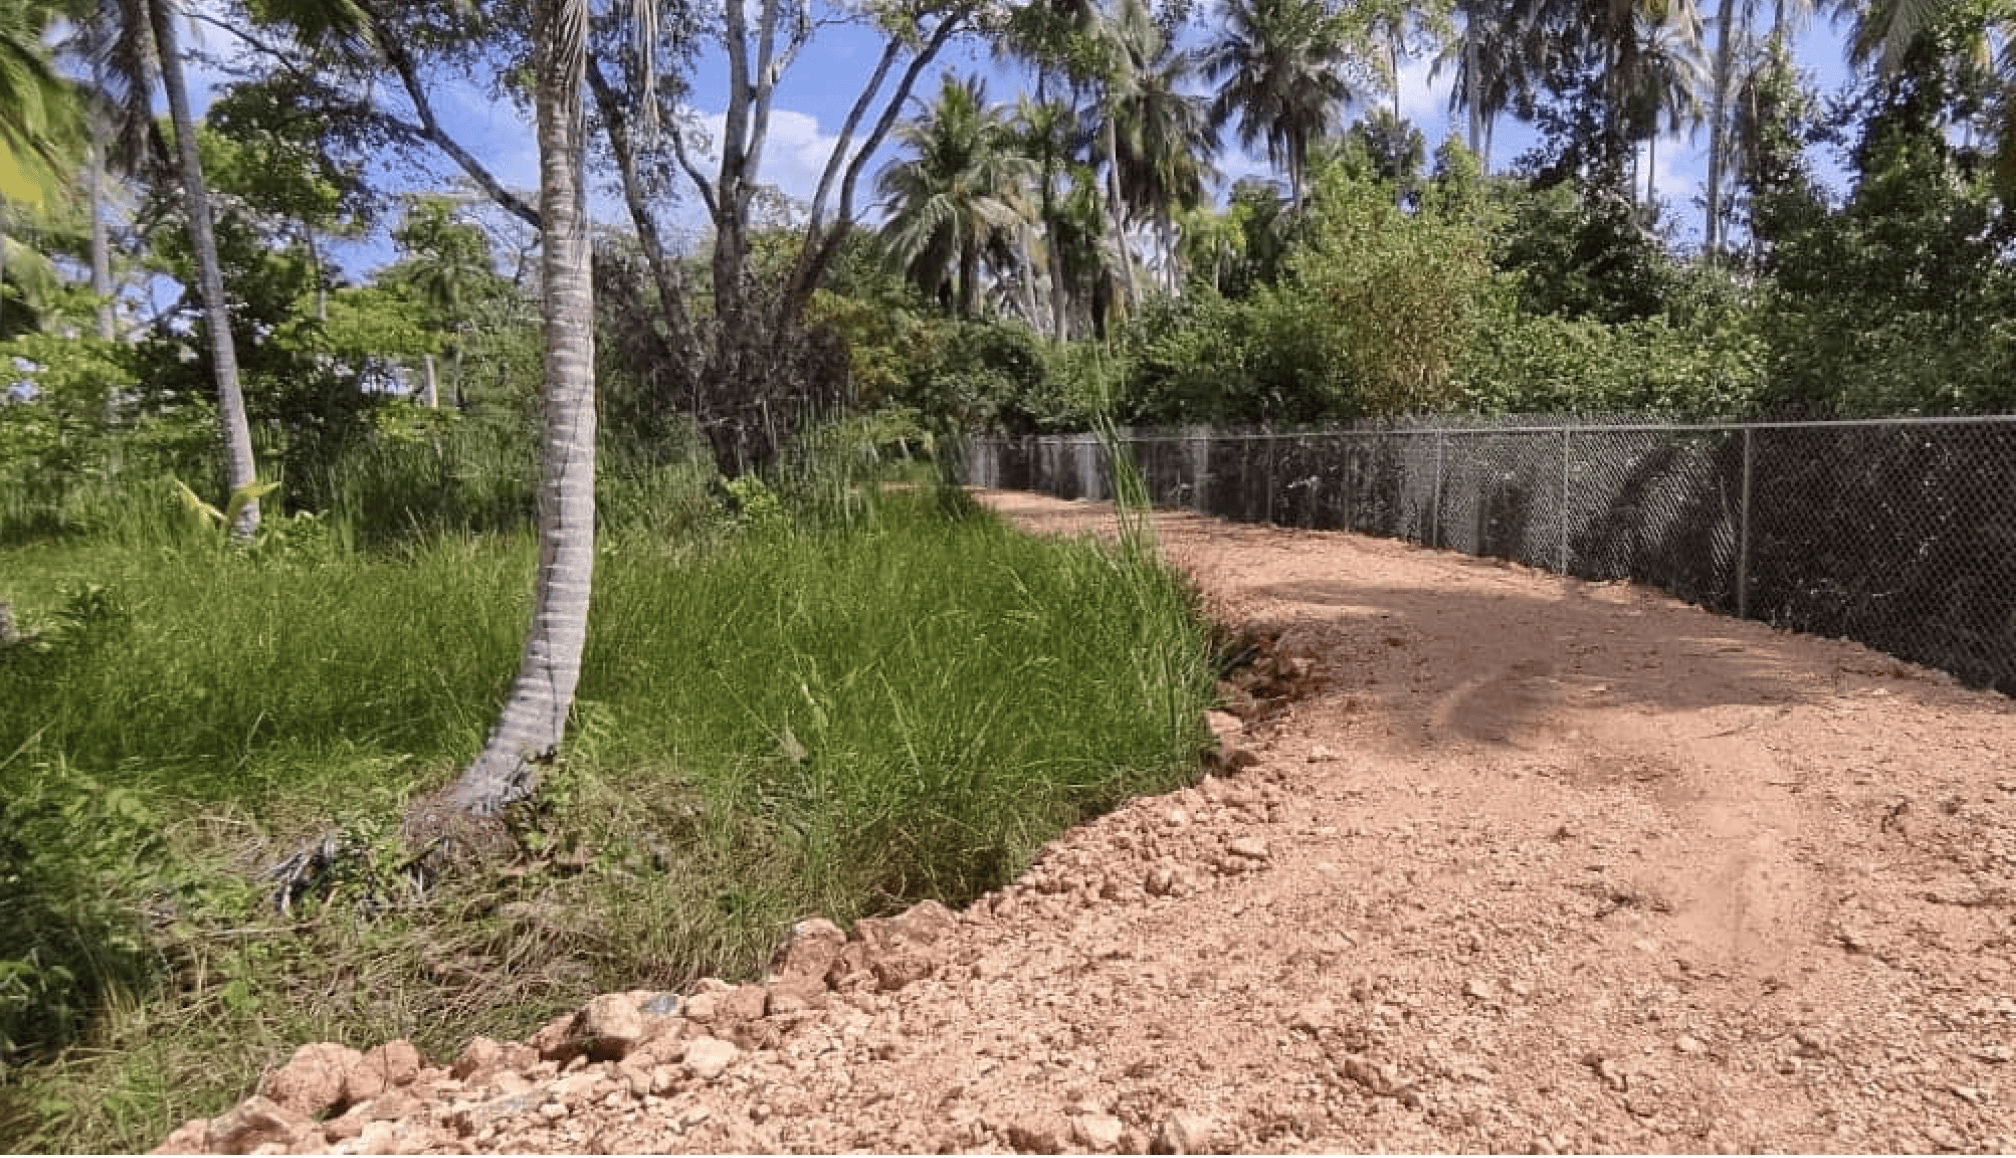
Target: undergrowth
[(781, 715)]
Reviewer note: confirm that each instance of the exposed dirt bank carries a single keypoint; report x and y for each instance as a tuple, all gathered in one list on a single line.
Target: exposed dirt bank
[(1527, 865)]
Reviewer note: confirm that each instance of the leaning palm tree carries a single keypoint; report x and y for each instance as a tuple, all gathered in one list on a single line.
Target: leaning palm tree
[(1279, 64), (961, 183), (144, 54), (529, 729)]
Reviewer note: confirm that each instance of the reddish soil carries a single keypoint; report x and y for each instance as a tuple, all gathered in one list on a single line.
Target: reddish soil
[(1501, 861)]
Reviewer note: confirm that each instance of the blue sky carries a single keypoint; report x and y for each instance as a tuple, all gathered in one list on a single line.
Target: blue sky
[(815, 95)]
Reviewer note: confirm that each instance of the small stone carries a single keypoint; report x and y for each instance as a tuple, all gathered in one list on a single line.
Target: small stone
[(256, 1122), (1480, 989), (1645, 945), (895, 970), (611, 1024), (1183, 1133), (1099, 1131), (481, 1057), (1176, 818), (555, 1040), (742, 1003), (385, 1067), (694, 1115), (1688, 1044), (313, 1079), (1040, 1134), (708, 1057), (1319, 754), (1223, 724), (814, 945), (926, 922), (1160, 882), (1250, 847)]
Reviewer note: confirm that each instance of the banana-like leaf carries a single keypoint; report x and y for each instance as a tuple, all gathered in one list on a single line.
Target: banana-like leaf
[(240, 498), (196, 505)]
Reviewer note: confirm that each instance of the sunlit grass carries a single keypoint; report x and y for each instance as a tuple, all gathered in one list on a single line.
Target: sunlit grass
[(776, 720)]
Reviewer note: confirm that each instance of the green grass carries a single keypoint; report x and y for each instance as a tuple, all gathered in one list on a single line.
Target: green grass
[(774, 721)]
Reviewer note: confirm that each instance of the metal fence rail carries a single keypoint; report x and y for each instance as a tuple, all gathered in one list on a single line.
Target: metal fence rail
[(1900, 534)]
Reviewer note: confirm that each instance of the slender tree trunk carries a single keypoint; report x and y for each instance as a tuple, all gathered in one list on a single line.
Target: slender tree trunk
[(1030, 308), (1651, 172), (969, 277), (101, 249), (534, 718), (1393, 66), (1718, 123), (430, 388), (239, 467), (1117, 211), (315, 265), (1473, 100)]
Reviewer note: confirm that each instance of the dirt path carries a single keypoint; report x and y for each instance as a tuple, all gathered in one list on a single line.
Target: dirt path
[(1527, 865)]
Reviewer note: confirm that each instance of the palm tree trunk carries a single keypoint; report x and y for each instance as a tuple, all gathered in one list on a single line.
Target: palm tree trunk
[(1718, 123), (430, 389), (1024, 239), (101, 250), (1118, 212), (534, 718), (1651, 171), (240, 470)]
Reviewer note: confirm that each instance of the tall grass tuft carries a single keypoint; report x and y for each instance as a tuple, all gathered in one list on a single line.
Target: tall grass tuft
[(837, 711)]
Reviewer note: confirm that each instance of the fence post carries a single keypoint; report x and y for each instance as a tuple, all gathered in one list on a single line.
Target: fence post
[(1349, 471), (1743, 537), (1566, 434), (1435, 503), (1269, 442)]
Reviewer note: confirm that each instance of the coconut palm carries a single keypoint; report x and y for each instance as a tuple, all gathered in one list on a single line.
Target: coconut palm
[(41, 127), (1163, 143), (1494, 70), (1047, 133), (1661, 92), (137, 53), (1279, 66), (960, 185)]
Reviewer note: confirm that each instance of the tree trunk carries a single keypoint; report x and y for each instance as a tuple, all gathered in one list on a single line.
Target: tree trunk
[(534, 718), (1718, 124), (101, 250), (430, 389), (239, 468), (1651, 172), (1118, 212)]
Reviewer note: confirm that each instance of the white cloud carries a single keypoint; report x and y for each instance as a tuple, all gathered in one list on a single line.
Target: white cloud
[(1425, 100)]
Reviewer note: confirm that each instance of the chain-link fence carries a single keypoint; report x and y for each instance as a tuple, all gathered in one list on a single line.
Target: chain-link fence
[(1900, 534)]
